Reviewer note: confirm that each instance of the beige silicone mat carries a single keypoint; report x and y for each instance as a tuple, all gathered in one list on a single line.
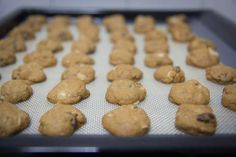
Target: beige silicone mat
[(156, 104)]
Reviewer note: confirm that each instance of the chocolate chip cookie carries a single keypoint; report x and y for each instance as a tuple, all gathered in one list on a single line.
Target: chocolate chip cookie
[(76, 59), (125, 71), (121, 35), (189, 92), (7, 57), (144, 23), (126, 121), (156, 46), (221, 74), (12, 119), (125, 92), (83, 72), (229, 97), (44, 58), (157, 59), (83, 45), (196, 119), (202, 57), (32, 72), (15, 91), (169, 74), (68, 92), (121, 56), (199, 42), (155, 34), (13, 44), (50, 45), (61, 120), (126, 45)]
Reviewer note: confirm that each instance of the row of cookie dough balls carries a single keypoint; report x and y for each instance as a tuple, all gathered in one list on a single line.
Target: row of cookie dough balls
[(19, 90)]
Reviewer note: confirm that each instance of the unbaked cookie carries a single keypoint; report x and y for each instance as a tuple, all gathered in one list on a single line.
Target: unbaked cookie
[(15, 91), (76, 59), (202, 57), (50, 45), (12, 119), (83, 72), (196, 119), (61, 19), (156, 46), (26, 32), (114, 22), (144, 23), (68, 92), (199, 42), (14, 44), (155, 34), (189, 92), (32, 72), (7, 58), (157, 59), (121, 35), (169, 74), (125, 92), (182, 35), (84, 45), (62, 34), (175, 19), (229, 97), (121, 56), (84, 20), (44, 58), (221, 74), (91, 32), (125, 71), (37, 19), (126, 45), (61, 120), (126, 121)]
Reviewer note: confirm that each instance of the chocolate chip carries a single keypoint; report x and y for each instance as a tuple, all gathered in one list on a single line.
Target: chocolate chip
[(177, 69), (205, 117)]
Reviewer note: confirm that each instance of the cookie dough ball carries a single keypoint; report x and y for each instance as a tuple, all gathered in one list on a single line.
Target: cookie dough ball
[(7, 58), (195, 119), (76, 59), (176, 19), (83, 72), (198, 42), (125, 71), (121, 56), (190, 92), (84, 45), (44, 58), (68, 92), (84, 20), (61, 120), (221, 74), (32, 72), (50, 45), (114, 22), (169, 74), (62, 34), (126, 121), (125, 92), (15, 91), (156, 46), (91, 32), (37, 19), (182, 35), (126, 45), (202, 58), (61, 19), (144, 23), (12, 119), (25, 32), (121, 35), (157, 59), (14, 44), (155, 34), (229, 97)]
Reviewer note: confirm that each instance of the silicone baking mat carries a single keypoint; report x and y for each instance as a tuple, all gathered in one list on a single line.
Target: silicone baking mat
[(159, 109)]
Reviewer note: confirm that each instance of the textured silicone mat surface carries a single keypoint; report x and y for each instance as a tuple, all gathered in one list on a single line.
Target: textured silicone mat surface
[(156, 104)]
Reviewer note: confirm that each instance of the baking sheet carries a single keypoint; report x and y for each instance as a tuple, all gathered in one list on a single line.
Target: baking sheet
[(156, 104)]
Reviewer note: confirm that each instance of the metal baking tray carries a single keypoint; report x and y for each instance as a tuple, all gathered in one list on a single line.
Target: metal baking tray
[(160, 139)]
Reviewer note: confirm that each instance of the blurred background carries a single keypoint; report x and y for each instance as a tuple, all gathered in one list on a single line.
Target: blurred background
[(224, 7)]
